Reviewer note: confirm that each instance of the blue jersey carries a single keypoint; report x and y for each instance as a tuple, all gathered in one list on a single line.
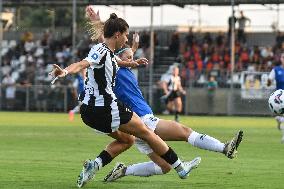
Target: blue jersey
[(279, 77), (80, 83), (127, 91)]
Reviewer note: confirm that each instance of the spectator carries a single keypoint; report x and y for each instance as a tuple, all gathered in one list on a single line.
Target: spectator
[(242, 20), (207, 38), (211, 86), (279, 39), (190, 38), (10, 91), (220, 39), (175, 44), (231, 20)]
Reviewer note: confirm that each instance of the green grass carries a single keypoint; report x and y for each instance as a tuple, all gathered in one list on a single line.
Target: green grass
[(45, 150)]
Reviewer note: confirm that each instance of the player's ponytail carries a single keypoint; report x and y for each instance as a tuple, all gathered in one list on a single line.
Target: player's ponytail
[(113, 16)]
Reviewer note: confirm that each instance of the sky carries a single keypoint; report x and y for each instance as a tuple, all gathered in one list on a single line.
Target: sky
[(261, 16)]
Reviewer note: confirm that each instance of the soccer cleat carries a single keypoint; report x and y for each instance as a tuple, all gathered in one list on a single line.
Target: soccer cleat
[(117, 172), (71, 115), (89, 169), (188, 167), (231, 147)]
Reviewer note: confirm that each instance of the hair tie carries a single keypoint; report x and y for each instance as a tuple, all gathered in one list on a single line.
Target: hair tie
[(121, 50)]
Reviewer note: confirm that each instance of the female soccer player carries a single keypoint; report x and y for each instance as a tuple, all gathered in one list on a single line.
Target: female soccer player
[(104, 113), (277, 75), (173, 91), (128, 91)]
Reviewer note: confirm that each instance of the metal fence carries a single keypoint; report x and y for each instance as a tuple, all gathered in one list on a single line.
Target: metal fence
[(197, 101), (38, 98)]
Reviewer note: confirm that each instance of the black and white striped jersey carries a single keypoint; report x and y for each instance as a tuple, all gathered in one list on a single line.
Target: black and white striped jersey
[(100, 78), (173, 83)]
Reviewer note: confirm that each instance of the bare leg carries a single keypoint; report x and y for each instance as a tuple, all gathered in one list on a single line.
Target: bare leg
[(137, 128), (122, 143), (173, 131)]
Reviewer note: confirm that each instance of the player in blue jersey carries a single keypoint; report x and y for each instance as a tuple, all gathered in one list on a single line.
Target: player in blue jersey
[(277, 75), (127, 90), (78, 88)]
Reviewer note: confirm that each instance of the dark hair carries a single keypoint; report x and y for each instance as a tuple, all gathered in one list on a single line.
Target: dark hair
[(114, 24)]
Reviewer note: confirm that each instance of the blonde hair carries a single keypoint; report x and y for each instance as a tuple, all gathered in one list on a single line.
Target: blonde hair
[(94, 29), (97, 29)]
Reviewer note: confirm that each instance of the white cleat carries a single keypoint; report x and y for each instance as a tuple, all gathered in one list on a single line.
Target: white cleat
[(117, 172), (90, 167), (231, 147), (188, 167)]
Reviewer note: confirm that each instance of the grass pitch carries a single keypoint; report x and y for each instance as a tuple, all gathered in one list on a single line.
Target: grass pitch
[(45, 150)]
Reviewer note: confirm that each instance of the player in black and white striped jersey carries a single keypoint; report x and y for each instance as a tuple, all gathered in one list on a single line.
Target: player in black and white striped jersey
[(173, 91), (101, 110)]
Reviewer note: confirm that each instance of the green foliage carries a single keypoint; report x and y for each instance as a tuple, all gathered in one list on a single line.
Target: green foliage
[(44, 17), (45, 150)]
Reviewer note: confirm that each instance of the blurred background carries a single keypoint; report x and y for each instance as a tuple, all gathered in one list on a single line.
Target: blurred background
[(234, 43)]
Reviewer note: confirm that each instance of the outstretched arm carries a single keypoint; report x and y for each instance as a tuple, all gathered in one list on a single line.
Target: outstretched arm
[(132, 64), (73, 68)]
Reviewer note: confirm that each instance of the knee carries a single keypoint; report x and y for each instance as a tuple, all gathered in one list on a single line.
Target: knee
[(183, 131), (187, 131), (129, 141), (146, 134)]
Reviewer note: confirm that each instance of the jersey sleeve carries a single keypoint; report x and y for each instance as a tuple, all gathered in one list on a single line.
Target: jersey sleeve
[(271, 75), (96, 55)]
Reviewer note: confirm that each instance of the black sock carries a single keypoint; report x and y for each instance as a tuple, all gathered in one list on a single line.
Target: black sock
[(170, 156), (176, 114), (105, 157)]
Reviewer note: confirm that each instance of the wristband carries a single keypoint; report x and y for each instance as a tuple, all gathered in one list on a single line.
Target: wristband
[(65, 72)]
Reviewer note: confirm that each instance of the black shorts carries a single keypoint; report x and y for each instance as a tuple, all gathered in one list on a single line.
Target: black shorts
[(173, 95), (106, 119)]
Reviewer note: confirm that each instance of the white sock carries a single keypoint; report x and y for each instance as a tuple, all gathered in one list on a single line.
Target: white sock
[(205, 142), (144, 169), (76, 109), (99, 161), (280, 118)]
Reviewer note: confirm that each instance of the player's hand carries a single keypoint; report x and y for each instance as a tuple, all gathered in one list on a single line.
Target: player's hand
[(142, 61), (92, 15), (58, 72), (135, 38)]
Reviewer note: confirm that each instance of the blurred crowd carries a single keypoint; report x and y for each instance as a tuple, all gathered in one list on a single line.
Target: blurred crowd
[(29, 60), (202, 56)]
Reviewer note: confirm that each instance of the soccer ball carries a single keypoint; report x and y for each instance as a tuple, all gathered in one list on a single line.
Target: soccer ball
[(276, 102)]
